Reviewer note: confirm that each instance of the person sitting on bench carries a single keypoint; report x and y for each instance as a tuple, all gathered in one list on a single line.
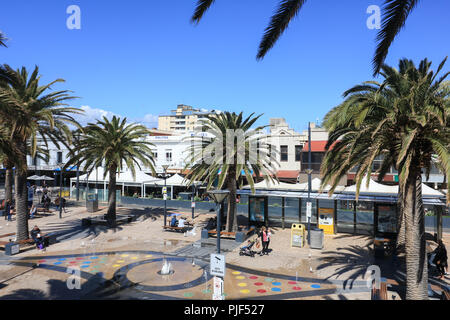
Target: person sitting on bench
[(212, 224), (37, 238), (181, 222), (174, 221)]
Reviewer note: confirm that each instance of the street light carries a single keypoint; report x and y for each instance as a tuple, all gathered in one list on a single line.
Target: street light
[(194, 188), (218, 197), (61, 165), (165, 167), (309, 171)]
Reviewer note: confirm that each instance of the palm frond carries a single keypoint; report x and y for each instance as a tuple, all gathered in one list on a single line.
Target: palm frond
[(395, 14), (286, 11)]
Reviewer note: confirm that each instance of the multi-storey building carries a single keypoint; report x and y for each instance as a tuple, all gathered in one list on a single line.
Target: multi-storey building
[(184, 118)]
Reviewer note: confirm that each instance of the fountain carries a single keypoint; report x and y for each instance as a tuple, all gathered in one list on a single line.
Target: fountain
[(166, 268)]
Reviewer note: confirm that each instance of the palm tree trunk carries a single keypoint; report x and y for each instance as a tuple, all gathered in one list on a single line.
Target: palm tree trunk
[(415, 245), (231, 215), (8, 180), (401, 224), (21, 195), (111, 214)]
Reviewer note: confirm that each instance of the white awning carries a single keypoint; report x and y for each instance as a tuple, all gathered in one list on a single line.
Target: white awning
[(268, 185)]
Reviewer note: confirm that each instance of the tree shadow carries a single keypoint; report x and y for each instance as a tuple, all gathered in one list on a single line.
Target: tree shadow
[(59, 290)]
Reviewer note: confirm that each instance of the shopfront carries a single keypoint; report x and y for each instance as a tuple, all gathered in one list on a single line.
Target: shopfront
[(371, 215)]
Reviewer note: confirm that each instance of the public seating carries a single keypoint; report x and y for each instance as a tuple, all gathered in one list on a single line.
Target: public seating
[(48, 240), (176, 229), (239, 236), (381, 293)]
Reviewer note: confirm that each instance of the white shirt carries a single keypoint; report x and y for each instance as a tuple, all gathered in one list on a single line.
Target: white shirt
[(181, 223)]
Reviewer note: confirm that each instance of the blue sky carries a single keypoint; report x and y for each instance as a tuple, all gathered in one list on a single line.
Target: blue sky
[(141, 58)]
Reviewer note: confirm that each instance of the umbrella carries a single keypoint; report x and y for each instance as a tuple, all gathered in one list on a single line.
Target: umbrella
[(35, 177), (46, 178)]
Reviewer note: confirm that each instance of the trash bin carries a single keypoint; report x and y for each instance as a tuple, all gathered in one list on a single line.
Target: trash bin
[(92, 205), (316, 238), (297, 235)]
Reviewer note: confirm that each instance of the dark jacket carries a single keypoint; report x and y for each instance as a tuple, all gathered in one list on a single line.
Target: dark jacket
[(34, 233)]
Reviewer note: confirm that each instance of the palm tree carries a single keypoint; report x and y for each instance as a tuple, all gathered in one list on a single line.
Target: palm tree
[(7, 153), (110, 144), (31, 114), (231, 149), (404, 120), (395, 14), (2, 39)]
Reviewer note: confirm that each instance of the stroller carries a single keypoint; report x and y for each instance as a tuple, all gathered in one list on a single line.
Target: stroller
[(247, 249)]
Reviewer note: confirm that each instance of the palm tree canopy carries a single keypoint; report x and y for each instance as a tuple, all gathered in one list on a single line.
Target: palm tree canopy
[(395, 14), (2, 39), (233, 148), (404, 120), (31, 113), (111, 144)]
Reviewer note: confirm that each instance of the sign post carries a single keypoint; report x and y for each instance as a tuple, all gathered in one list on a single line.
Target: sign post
[(218, 289), (217, 269)]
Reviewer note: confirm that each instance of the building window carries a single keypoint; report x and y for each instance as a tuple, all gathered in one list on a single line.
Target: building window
[(298, 153), (169, 155), (284, 153), (58, 157)]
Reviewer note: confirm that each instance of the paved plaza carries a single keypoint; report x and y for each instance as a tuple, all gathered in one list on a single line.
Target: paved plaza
[(126, 263)]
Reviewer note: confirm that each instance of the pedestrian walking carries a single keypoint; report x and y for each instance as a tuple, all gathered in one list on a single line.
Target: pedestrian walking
[(265, 241), (8, 210)]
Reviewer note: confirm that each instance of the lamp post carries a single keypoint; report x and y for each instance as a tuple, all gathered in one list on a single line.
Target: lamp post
[(194, 188), (218, 197), (60, 188), (165, 167), (309, 171)]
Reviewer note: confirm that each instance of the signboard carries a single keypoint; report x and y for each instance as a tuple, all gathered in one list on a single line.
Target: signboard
[(164, 190), (15, 249), (217, 265), (326, 220), (192, 204), (165, 196), (218, 289), (308, 210)]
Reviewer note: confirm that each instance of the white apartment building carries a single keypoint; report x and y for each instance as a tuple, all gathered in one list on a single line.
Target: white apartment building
[(183, 119)]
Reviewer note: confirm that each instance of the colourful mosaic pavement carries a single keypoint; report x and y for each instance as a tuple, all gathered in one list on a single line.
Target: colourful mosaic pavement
[(137, 274)]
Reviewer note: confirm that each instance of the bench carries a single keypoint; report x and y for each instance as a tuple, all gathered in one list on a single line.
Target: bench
[(13, 247), (176, 229), (381, 293), (445, 295), (223, 233)]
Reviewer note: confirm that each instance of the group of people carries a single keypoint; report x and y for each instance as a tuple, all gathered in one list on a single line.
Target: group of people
[(174, 222), (265, 235)]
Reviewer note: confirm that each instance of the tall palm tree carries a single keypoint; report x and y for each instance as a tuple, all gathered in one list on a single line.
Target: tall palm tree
[(405, 120), (32, 114), (395, 14), (7, 154), (110, 144), (232, 149)]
